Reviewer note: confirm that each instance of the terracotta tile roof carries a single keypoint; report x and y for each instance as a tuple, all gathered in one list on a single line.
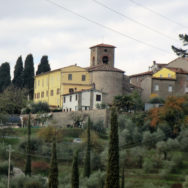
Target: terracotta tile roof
[(104, 67), (178, 70), (142, 74), (103, 45)]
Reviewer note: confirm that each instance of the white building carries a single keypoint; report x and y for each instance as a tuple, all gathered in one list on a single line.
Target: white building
[(82, 100)]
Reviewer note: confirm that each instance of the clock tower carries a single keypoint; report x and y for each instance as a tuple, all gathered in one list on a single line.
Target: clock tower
[(102, 54)]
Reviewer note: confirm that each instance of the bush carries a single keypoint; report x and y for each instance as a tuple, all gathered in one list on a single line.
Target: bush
[(148, 165), (35, 144), (4, 168), (98, 127), (40, 167)]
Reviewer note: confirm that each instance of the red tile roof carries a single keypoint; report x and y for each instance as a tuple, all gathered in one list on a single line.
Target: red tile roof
[(104, 67), (103, 45), (142, 74), (178, 70)]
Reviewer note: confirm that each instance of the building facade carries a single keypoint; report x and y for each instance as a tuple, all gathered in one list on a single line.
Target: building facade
[(163, 80), (101, 75)]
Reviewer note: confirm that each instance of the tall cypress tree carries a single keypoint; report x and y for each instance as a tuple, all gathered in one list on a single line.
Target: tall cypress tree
[(28, 160), (53, 172), (123, 178), (4, 76), (75, 172), (87, 168), (18, 73), (29, 75), (112, 178), (44, 65)]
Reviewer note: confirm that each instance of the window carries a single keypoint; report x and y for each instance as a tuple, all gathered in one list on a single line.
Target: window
[(42, 94), (186, 89), (169, 75), (70, 98), (156, 87), (69, 76), (83, 77), (105, 59), (169, 88), (71, 90), (64, 99), (161, 75), (38, 95), (51, 92), (76, 97), (58, 91), (47, 93), (98, 97), (105, 50)]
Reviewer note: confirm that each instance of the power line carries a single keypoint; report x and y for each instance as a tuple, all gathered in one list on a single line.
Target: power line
[(134, 20), (106, 27), (158, 14)]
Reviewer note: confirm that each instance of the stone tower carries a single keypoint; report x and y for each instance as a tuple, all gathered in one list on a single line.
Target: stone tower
[(102, 54)]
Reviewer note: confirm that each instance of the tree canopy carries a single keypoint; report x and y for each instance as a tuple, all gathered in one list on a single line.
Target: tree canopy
[(44, 65), (29, 75), (179, 51), (4, 76), (18, 73)]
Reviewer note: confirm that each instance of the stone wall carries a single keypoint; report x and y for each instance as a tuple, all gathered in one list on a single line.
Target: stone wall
[(66, 118)]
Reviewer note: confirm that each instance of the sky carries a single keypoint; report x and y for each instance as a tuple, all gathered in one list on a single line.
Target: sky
[(142, 31)]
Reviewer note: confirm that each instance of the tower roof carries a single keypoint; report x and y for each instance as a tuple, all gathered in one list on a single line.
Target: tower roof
[(103, 45)]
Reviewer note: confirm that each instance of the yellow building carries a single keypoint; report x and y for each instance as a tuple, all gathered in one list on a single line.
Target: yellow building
[(165, 73), (50, 86)]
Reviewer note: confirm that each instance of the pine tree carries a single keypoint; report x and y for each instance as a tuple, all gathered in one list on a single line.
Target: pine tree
[(87, 168), (28, 160), (44, 65), (53, 172), (179, 51), (112, 177), (75, 172), (4, 76), (29, 75), (18, 73)]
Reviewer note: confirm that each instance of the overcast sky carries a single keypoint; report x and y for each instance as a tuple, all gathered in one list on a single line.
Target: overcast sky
[(42, 27)]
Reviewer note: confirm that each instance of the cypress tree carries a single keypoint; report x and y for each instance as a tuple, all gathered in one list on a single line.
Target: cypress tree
[(87, 168), (53, 172), (44, 65), (112, 177), (18, 73), (75, 172), (123, 178), (29, 75), (28, 160), (4, 76)]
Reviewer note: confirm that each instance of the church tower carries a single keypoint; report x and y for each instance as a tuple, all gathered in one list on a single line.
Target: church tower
[(102, 54)]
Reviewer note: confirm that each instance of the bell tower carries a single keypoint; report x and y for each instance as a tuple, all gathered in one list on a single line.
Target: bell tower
[(102, 54)]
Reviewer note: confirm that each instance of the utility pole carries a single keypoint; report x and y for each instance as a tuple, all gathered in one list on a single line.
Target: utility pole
[(9, 159)]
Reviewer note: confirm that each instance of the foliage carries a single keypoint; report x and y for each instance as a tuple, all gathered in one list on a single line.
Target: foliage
[(12, 100), (28, 75), (44, 65), (4, 168), (18, 74), (156, 100), (112, 177), (75, 172), (98, 127), (179, 51), (148, 165), (185, 183), (53, 172), (40, 167), (4, 76), (28, 156), (87, 161), (101, 106), (127, 103)]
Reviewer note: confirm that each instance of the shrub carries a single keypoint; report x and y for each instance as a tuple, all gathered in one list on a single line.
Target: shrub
[(148, 165), (35, 142), (40, 167), (4, 168)]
